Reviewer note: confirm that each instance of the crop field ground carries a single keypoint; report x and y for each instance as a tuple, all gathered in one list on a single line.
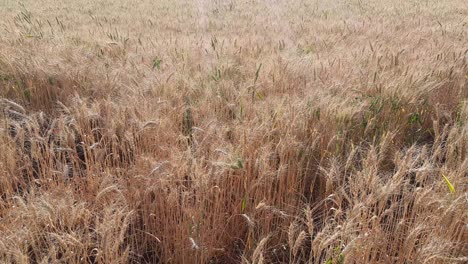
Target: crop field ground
[(241, 131)]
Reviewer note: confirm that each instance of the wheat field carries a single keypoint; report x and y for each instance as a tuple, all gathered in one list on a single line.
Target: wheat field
[(241, 131)]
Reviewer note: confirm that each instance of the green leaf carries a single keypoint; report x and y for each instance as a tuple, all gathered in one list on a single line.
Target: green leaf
[(341, 259), (157, 63), (260, 95), (216, 76), (337, 250), (27, 94), (257, 73), (449, 184), (238, 164), (317, 113), (414, 118), (243, 205)]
